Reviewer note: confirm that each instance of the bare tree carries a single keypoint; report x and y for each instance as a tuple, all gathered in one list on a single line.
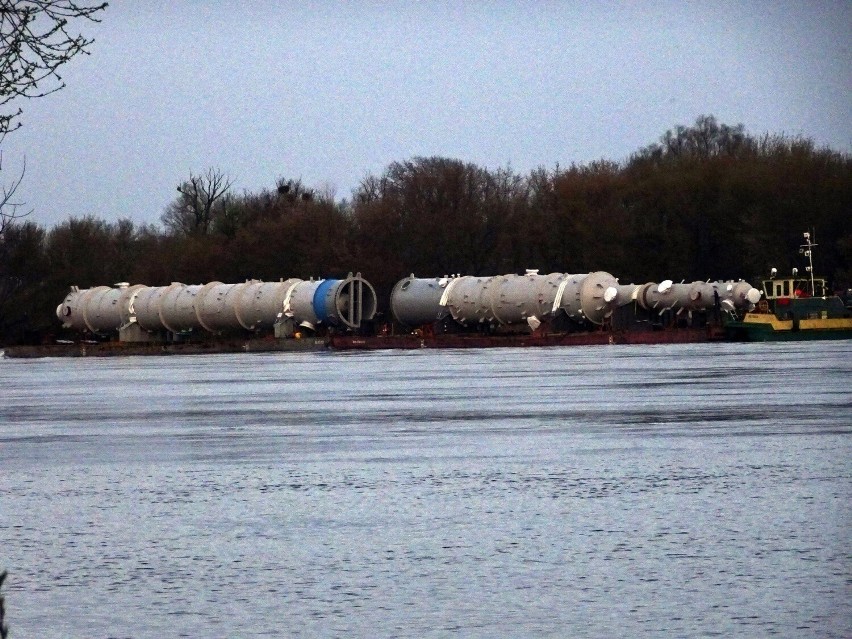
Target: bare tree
[(193, 212), (10, 207), (35, 41)]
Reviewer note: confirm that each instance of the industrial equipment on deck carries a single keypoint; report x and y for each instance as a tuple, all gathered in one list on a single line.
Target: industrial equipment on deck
[(145, 313), (584, 299)]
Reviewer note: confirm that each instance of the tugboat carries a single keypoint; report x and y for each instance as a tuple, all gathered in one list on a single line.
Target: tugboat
[(794, 308)]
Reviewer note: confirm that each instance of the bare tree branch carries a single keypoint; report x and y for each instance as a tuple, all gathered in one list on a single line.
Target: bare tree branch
[(9, 205), (193, 211), (35, 41)]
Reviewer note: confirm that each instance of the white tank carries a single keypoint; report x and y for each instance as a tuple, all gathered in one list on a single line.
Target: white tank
[(469, 299), (261, 304), (177, 308), (216, 306), (300, 303), (146, 305), (99, 310), (74, 308)]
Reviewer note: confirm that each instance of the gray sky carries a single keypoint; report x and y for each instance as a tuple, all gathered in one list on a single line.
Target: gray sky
[(330, 91)]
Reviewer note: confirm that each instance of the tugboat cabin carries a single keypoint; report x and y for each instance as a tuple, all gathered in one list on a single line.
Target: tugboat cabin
[(793, 287)]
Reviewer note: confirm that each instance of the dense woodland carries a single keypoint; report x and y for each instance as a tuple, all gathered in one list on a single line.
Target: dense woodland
[(706, 201)]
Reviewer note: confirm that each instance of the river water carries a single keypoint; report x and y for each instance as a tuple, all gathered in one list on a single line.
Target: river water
[(612, 491)]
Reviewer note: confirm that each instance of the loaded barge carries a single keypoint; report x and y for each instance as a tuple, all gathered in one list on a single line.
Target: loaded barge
[(531, 309)]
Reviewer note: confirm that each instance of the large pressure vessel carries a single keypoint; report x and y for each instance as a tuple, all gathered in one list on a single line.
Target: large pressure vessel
[(469, 300), (72, 310), (697, 295), (344, 303), (146, 304), (516, 298), (99, 309), (415, 302), (216, 306), (177, 308), (260, 305), (509, 299)]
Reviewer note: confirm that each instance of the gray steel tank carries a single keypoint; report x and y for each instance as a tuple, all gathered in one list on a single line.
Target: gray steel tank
[(517, 298), (509, 299), (696, 296), (414, 302), (593, 296)]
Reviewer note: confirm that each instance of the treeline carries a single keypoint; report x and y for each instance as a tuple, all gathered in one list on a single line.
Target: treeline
[(706, 201)]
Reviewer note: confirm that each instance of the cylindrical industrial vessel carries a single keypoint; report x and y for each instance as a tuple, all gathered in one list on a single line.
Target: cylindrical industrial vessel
[(509, 299), (742, 294), (516, 298), (666, 296), (347, 302), (146, 305), (592, 296), (415, 302), (215, 306), (697, 295), (261, 304), (468, 299), (126, 303), (177, 308), (74, 310), (99, 310)]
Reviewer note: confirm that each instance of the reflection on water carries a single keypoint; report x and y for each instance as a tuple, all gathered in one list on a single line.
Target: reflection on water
[(691, 490)]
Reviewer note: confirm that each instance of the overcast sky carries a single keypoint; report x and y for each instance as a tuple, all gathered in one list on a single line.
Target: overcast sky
[(330, 92)]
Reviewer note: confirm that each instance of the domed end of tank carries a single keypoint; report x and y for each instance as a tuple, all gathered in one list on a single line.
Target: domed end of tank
[(593, 296), (753, 295)]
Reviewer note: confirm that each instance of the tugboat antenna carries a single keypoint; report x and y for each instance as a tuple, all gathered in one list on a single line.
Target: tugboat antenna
[(808, 247)]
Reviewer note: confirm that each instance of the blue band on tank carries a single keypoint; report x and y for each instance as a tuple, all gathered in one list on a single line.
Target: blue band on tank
[(320, 309)]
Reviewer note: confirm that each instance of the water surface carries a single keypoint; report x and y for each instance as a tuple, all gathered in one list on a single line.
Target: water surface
[(681, 490)]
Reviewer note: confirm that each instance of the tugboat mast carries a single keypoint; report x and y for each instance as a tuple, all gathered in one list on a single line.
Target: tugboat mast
[(807, 249)]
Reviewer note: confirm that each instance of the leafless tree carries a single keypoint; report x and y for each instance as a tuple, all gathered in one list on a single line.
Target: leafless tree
[(35, 41), (10, 206), (193, 212)]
